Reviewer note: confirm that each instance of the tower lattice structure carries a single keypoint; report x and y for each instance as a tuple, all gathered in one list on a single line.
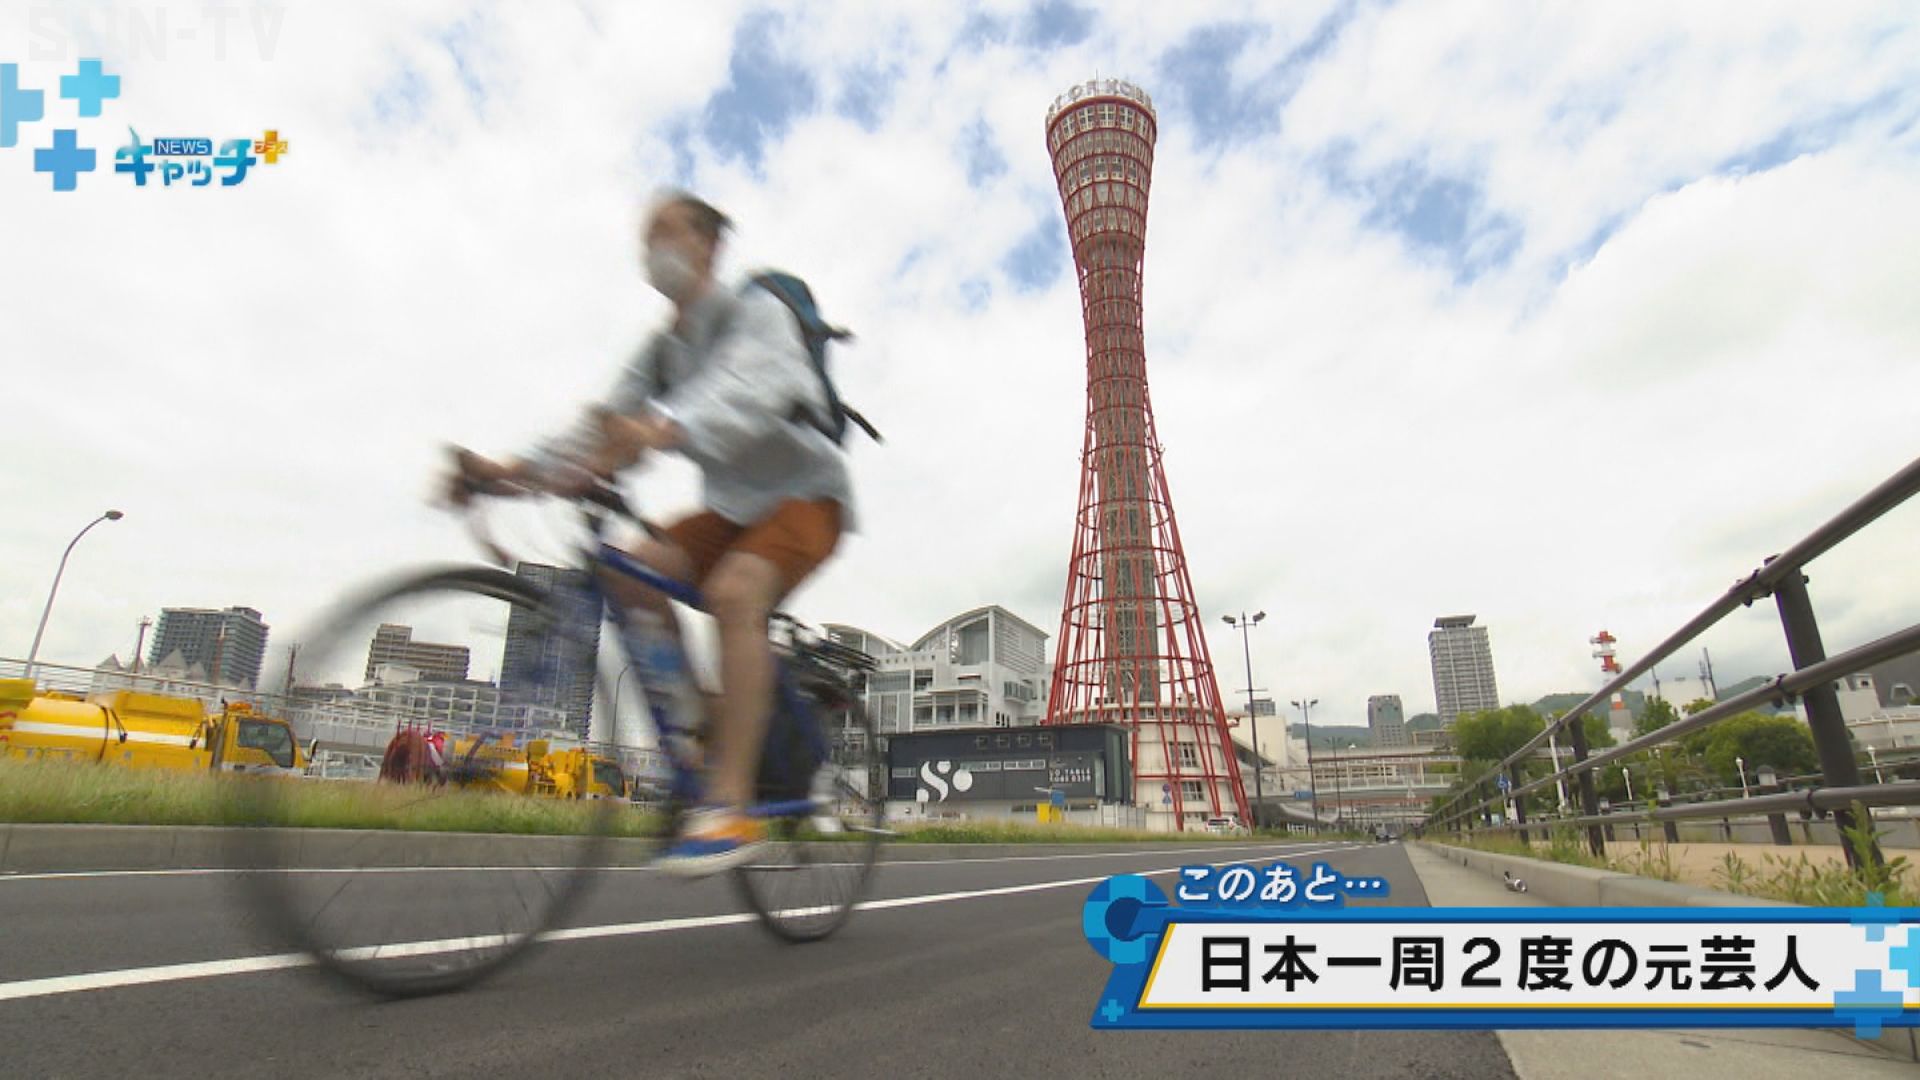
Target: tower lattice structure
[(1131, 650)]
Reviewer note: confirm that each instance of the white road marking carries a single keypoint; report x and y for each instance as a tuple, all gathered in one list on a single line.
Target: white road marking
[(247, 965), (83, 875)]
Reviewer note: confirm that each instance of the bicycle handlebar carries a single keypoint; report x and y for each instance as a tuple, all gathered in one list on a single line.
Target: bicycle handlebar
[(601, 496)]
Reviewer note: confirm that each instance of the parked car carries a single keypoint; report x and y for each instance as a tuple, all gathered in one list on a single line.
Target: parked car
[(1228, 824)]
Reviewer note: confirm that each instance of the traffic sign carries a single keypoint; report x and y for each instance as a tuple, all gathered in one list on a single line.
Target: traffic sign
[(1504, 784)]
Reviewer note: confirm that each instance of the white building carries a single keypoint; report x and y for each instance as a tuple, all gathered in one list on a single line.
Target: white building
[(1876, 727), (983, 668)]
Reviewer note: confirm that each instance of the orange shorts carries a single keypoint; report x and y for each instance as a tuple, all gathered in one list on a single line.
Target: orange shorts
[(796, 538)]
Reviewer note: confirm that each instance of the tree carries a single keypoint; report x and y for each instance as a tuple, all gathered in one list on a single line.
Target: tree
[(1697, 705), (1656, 715), (1780, 741), (1599, 735), (1492, 735)]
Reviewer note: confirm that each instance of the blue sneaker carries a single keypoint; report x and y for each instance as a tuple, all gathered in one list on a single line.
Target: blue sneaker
[(713, 839)]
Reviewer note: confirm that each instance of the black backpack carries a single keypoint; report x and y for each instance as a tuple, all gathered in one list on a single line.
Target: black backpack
[(818, 333)]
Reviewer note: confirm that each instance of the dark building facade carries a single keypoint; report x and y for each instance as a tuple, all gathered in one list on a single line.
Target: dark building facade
[(1010, 769), (548, 665)]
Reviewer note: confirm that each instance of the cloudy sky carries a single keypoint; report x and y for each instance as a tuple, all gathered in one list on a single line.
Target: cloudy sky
[(1565, 317)]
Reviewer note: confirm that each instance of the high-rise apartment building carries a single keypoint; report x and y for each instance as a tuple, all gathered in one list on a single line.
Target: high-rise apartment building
[(1462, 668), (393, 644), (1387, 721), (554, 664), (230, 645)]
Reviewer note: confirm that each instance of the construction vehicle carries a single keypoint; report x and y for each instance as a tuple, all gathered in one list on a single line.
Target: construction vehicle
[(496, 763), (130, 729)]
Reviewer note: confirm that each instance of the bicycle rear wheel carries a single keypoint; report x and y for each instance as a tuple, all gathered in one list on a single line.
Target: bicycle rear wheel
[(450, 819), (816, 866)]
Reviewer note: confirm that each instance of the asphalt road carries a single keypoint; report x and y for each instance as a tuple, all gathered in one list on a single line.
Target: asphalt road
[(945, 977)]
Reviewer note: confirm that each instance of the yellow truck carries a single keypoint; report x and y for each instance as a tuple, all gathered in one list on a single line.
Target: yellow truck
[(143, 731), (499, 764), (573, 774)]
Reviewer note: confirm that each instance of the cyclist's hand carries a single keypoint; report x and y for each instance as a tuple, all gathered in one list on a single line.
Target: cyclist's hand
[(574, 479), (475, 475)]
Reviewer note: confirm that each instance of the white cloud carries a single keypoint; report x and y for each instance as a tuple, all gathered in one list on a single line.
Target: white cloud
[(1355, 442)]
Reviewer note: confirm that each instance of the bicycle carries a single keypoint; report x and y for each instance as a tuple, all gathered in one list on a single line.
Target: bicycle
[(437, 913)]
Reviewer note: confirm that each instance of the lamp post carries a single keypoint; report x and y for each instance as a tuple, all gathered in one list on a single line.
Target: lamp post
[(1246, 624), (33, 653), (1339, 784), (1873, 756), (1741, 764), (1313, 786), (615, 703)]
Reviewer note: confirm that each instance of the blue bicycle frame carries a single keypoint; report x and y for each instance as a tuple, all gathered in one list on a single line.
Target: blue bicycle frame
[(793, 715)]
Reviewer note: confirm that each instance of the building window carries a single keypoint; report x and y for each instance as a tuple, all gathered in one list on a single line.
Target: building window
[(1189, 756), (1045, 738), (1024, 740), (1000, 740), (980, 742), (1191, 791)]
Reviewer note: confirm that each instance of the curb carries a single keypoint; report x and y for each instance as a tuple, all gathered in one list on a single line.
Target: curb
[(1583, 886), (52, 849)]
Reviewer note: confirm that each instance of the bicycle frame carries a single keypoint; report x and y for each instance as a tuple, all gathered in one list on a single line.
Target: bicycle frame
[(790, 706)]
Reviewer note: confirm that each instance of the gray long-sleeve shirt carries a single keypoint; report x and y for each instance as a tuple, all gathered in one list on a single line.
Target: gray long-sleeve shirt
[(732, 382)]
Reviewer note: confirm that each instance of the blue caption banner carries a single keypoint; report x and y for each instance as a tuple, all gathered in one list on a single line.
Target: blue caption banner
[(1276, 946)]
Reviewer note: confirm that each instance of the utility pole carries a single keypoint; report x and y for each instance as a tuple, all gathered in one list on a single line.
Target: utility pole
[(140, 643)]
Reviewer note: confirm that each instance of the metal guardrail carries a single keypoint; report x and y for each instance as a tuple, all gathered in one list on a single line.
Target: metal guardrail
[(1781, 577)]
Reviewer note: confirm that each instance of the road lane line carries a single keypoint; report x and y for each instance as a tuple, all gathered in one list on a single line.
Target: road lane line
[(248, 965), (85, 875)]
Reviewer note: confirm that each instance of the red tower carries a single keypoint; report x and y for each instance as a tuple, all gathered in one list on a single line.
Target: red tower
[(1131, 650)]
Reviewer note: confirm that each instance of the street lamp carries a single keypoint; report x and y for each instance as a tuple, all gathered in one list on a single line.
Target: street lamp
[(1741, 764), (1313, 785), (615, 703), (1246, 624), (1873, 756), (111, 515)]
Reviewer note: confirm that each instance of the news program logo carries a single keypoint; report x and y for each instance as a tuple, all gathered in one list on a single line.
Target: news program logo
[(184, 160)]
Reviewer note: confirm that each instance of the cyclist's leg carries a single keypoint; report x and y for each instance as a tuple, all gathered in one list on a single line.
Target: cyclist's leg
[(762, 567), (766, 564), (741, 595), (687, 552)]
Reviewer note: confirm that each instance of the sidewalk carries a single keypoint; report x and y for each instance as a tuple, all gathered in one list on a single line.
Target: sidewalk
[(1713, 1054)]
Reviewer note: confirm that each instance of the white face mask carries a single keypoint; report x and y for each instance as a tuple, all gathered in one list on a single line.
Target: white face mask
[(670, 271)]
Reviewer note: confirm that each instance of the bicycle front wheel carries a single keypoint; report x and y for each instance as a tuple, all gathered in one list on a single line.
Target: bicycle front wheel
[(455, 806), (818, 864)]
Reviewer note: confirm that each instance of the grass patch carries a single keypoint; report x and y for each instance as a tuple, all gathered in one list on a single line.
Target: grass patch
[(1794, 880), (51, 792), (1002, 831), (46, 792), (1799, 880)]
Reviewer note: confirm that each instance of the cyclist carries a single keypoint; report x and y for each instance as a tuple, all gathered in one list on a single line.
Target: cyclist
[(728, 383)]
